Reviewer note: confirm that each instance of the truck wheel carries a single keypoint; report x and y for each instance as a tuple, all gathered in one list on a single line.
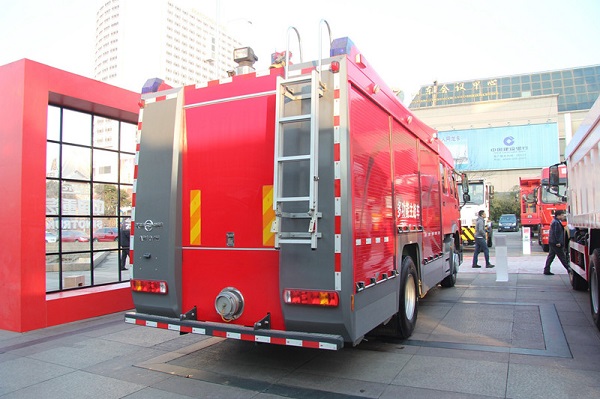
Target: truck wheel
[(450, 280), (409, 299), (577, 282), (595, 287)]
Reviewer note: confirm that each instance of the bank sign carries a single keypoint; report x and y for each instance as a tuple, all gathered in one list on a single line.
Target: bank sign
[(510, 147)]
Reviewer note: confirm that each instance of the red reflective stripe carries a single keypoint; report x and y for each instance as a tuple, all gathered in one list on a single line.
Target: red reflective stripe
[(278, 341), (336, 152), (336, 93), (338, 262), (336, 120), (248, 337), (218, 333), (310, 344), (140, 322), (185, 329), (337, 189)]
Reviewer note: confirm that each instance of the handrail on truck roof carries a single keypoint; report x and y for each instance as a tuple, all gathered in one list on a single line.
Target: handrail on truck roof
[(287, 49), (321, 22)]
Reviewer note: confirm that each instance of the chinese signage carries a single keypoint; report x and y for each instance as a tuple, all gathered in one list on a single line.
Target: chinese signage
[(456, 93), (511, 147)]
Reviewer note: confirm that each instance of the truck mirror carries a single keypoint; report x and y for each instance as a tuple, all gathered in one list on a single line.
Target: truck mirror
[(554, 176), (491, 192), (465, 184), (466, 197)]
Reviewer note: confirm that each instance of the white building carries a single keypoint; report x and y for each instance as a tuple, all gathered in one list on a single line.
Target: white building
[(141, 39)]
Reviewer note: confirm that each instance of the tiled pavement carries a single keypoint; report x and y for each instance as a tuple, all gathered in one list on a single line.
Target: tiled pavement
[(528, 337)]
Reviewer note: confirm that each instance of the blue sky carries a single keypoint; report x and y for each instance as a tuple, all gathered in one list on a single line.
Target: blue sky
[(410, 43)]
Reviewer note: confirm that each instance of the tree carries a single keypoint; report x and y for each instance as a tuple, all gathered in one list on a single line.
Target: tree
[(108, 194), (505, 203)]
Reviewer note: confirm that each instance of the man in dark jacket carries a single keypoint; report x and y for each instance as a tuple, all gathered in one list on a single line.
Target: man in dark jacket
[(556, 242), (124, 237), (481, 241)]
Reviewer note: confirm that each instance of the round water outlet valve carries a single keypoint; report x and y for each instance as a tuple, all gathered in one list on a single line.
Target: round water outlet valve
[(229, 303)]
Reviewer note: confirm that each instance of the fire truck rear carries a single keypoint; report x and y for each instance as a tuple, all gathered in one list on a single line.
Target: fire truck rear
[(528, 192), (551, 197), (301, 206), (582, 158)]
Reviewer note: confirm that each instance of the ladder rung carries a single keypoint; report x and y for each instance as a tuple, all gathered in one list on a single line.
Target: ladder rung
[(294, 158), (295, 118), (294, 241), (292, 199), (298, 215), (292, 234)]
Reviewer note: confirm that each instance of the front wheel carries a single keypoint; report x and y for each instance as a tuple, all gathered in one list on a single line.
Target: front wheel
[(594, 284), (409, 299)]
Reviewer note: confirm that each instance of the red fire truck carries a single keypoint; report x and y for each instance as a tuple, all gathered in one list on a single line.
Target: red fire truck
[(301, 206), (551, 197), (528, 191), (582, 158)]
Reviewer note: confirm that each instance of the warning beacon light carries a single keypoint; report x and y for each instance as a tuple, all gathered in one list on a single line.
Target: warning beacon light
[(245, 58)]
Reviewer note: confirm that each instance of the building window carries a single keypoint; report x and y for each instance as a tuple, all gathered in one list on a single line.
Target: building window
[(89, 184)]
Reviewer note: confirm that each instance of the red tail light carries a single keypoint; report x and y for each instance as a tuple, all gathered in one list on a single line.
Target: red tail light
[(150, 286), (311, 297)]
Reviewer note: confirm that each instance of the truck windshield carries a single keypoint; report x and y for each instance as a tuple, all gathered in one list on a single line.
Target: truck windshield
[(475, 191), (551, 198)]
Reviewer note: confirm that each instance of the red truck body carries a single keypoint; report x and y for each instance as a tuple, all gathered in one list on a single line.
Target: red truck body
[(303, 207)]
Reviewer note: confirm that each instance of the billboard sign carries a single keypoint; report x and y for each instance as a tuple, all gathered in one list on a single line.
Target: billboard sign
[(509, 147)]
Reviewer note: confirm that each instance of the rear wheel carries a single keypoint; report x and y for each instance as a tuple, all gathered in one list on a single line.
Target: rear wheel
[(595, 287), (409, 299), (577, 282), (450, 280)]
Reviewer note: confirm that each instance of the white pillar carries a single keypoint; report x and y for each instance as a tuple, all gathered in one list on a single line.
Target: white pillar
[(501, 259)]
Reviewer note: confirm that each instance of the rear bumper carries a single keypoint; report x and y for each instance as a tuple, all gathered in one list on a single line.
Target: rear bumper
[(277, 337)]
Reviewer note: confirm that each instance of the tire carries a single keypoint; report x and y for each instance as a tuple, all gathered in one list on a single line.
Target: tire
[(450, 280), (409, 299), (577, 282), (594, 284)]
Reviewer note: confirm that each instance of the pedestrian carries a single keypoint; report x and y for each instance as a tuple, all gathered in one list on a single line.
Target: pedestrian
[(481, 241), (124, 237), (556, 242)]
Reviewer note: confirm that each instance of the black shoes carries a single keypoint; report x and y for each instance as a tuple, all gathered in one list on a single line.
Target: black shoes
[(476, 267), (548, 273), (489, 266)]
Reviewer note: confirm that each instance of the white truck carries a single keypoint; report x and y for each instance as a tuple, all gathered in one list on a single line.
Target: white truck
[(582, 157), (481, 194)]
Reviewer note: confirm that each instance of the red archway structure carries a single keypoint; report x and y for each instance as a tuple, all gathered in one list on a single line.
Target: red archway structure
[(28, 88)]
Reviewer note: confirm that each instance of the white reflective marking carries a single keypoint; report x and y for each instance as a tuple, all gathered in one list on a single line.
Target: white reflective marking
[(233, 335), (293, 342)]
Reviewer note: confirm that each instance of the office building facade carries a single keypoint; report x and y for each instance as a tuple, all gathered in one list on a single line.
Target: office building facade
[(507, 127)]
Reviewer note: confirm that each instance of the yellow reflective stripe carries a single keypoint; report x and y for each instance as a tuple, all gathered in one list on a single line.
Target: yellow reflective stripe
[(468, 233), (195, 217), (268, 216)]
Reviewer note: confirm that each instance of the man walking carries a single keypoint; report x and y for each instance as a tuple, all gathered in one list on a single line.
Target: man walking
[(481, 241), (124, 238), (556, 242)]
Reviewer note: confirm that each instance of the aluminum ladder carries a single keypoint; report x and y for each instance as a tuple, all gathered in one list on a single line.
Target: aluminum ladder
[(297, 156)]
